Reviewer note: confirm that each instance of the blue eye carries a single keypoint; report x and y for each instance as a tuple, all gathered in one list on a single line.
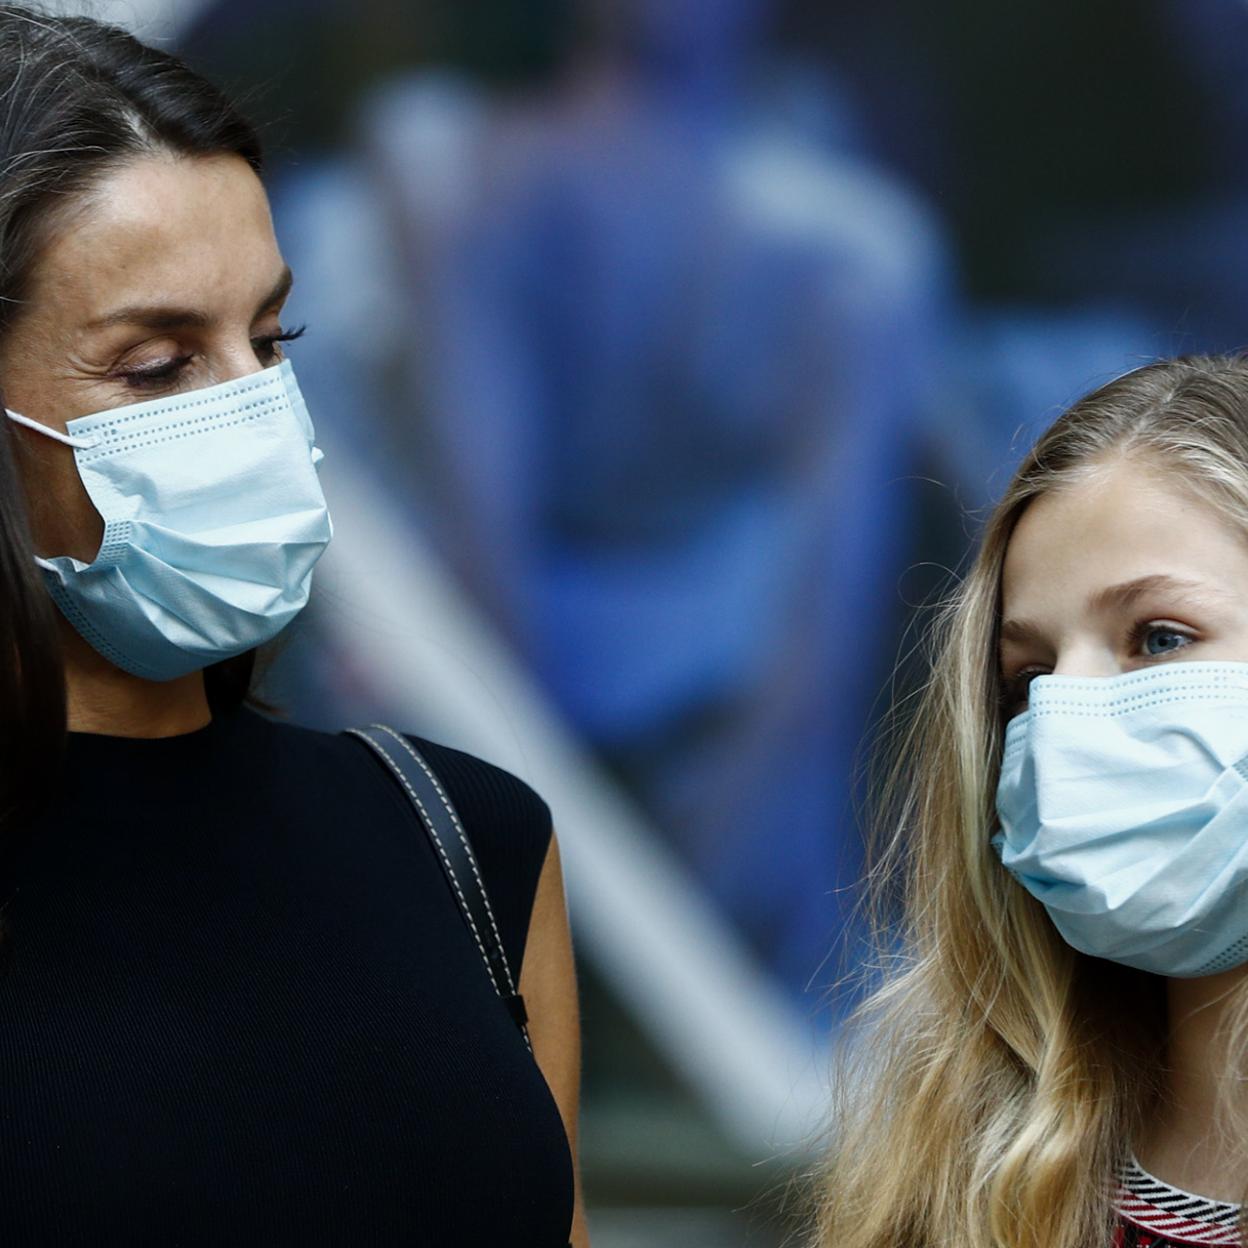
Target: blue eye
[(1159, 640)]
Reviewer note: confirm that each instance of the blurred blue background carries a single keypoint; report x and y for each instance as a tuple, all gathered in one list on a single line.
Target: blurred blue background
[(678, 345)]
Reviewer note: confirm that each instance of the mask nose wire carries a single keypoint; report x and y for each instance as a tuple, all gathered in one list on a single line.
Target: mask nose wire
[(84, 444)]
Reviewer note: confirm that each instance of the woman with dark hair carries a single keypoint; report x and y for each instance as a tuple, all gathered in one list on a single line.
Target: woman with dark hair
[(242, 997)]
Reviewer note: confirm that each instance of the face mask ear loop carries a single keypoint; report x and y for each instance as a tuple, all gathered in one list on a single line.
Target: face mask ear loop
[(83, 444)]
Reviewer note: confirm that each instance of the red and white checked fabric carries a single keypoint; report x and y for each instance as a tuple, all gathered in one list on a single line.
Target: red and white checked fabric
[(1152, 1214)]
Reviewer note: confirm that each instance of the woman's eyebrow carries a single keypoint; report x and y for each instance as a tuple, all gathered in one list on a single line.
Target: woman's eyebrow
[(1127, 593), (1118, 597), (281, 289), (1020, 631), (167, 316)]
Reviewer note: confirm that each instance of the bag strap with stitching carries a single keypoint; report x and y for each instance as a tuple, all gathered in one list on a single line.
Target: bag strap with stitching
[(437, 816)]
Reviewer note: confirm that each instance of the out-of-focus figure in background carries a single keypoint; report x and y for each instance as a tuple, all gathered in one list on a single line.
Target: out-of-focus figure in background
[(687, 331), (659, 404)]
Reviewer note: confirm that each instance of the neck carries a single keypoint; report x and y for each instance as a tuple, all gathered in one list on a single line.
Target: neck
[(1185, 1147), (101, 698)]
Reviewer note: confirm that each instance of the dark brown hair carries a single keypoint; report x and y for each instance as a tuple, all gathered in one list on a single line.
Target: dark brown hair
[(77, 98)]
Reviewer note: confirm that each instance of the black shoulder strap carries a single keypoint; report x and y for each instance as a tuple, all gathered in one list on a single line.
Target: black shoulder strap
[(459, 864)]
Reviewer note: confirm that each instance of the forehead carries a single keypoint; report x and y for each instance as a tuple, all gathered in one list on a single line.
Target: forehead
[(1118, 523), (189, 229)]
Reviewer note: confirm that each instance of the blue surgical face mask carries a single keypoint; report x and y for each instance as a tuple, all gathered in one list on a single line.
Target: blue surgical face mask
[(213, 519), (1124, 809)]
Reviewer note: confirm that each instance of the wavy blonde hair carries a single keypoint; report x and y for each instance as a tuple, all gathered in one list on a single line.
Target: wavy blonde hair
[(993, 1081)]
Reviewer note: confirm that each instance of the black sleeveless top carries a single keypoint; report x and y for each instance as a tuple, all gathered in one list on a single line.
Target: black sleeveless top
[(239, 1006)]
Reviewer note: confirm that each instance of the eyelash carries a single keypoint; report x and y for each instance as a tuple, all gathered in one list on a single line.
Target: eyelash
[(1014, 688), (1141, 630), (152, 378)]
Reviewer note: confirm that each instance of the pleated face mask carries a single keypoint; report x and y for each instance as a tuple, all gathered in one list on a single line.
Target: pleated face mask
[(1123, 803), (213, 519)]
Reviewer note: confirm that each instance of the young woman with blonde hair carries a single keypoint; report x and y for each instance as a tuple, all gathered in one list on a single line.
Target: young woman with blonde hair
[(1057, 1055)]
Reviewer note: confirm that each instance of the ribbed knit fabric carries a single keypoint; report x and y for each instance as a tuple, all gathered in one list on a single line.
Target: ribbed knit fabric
[(1154, 1214), (238, 1006)]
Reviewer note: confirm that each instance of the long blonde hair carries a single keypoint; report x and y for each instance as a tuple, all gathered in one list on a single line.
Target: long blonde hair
[(992, 1083)]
